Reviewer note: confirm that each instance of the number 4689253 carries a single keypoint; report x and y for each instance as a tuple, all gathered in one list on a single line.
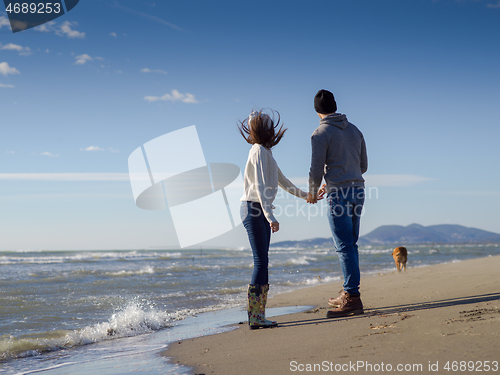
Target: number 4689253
[(33, 8), (471, 366)]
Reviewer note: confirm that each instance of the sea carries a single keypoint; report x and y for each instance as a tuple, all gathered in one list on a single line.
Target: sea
[(115, 312)]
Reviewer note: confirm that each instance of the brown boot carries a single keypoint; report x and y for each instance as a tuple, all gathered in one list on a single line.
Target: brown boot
[(337, 301), (349, 306)]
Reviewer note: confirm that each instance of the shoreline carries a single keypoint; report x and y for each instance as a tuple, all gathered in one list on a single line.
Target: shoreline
[(427, 318)]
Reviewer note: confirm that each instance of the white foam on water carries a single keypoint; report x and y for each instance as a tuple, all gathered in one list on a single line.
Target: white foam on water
[(310, 281), (134, 319), (375, 251), (146, 270), (53, 367), (85, 256), (303, 260), (319, 280)]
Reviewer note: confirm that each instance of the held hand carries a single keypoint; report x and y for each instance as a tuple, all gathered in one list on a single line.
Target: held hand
[(275, 226), (318, 197), (311, 199), (321, 192)]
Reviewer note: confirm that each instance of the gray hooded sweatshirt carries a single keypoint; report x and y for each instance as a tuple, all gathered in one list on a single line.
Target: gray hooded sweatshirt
[(338, 154)]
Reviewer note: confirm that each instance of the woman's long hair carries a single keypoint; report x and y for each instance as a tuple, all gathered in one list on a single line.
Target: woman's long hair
[(261, 128)]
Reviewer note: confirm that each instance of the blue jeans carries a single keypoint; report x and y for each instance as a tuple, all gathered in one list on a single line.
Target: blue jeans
[(345, 206), (259, 236)]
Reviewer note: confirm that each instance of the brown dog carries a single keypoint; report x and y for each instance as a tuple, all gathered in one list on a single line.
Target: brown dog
[(400, 255)]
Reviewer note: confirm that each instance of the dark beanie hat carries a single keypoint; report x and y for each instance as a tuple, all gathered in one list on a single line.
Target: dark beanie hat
[(324, 102)]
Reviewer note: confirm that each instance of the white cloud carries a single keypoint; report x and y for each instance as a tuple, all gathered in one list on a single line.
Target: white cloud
[(82, 59), (46, 27), (6, 86), (147, 70), (113, 34), (92, 148), (25, 51), (12, 46), (97, 148), (494, 6), (46, 153), (145, 15), (66, 29), (65, 176), (174, 96), (5, 69), (4, 21), (10, 152)]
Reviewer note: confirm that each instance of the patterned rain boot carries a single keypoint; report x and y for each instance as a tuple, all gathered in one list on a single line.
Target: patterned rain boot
[(263, 302), (255, 317)]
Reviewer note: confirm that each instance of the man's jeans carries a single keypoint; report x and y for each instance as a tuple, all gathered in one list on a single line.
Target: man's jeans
[(345, 206)]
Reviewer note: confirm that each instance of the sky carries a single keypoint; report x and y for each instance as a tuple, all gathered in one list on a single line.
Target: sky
[(78, 95)]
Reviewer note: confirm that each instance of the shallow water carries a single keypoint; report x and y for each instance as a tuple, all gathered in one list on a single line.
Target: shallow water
[(139, 354), (56, 305)]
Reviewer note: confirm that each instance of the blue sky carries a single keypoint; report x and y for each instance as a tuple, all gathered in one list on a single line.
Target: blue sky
[(419, 78)]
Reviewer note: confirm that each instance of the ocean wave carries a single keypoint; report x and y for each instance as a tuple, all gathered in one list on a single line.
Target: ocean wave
[(319, 279), (5, 260), (311, 281), (147, 270), (27, 251), (134, 319), (303, 260), (195, 267), (375, 251), (307, 251), (230, 291), (184, 313), (83, 257)]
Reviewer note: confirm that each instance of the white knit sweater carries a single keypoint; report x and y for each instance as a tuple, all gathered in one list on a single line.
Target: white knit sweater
[(262, 178)]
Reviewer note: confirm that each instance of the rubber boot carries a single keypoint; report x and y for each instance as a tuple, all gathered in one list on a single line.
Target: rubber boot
[(255, 317), (263, 302)]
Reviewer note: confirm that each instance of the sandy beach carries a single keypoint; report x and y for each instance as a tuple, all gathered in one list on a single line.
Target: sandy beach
[(436, 319)]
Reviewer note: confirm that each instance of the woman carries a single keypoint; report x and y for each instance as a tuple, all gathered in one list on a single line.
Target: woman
[(261, 181)]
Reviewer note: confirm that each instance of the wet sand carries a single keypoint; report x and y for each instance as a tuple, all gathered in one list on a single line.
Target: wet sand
[(423, 320)]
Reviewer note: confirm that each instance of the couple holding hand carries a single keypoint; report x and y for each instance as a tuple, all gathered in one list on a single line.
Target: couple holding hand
[(338, 156)]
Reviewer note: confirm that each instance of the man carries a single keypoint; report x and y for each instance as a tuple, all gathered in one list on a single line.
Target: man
[(339, 155)]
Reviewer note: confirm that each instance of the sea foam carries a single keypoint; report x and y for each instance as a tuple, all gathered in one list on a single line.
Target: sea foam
[(135, 319)]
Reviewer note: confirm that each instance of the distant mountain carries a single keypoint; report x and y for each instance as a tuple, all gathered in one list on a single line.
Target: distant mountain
[(416, 233), (397, 234)]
